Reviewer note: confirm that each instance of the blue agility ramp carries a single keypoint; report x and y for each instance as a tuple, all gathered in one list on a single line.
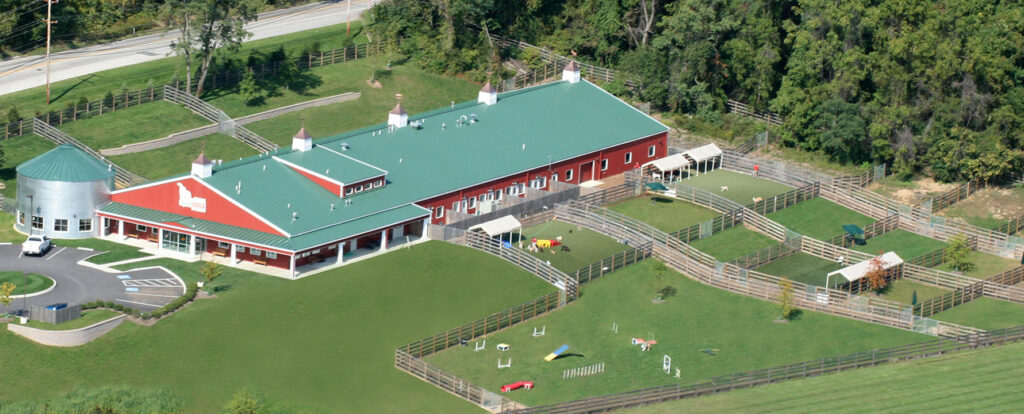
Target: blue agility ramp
[(557, 352)]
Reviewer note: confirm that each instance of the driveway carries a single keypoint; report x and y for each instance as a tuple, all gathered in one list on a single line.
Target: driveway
[(145, 289)]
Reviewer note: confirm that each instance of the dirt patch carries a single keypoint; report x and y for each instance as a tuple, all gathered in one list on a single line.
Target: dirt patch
[(375, 84), (912, 192), (997, 203)]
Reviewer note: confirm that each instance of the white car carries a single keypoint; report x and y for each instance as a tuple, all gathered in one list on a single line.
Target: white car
[(36, 245)]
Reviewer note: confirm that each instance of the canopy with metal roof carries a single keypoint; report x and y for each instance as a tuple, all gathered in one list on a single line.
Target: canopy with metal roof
[(704, 153), (66, 163), (670, 163), (498, 226), (856, 272)]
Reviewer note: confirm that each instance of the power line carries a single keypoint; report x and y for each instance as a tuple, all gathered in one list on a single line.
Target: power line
[(14, 13)]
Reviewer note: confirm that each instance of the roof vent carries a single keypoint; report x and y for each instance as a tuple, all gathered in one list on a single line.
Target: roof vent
[(295, 216), (344, 146), (202, 167), (302, 141), (416, 124), (398, 117)]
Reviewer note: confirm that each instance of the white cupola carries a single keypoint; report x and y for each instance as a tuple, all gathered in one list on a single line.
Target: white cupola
[(202, 167), (398, 117), (488, 95), (571, 72), (302, 141)]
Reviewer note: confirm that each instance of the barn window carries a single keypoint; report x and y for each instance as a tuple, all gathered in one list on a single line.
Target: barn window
[(629, 157), (21, 217), (348, 191), (543, 182), (140, 228), (604, 164), (378, 183), (568, 175), (554, 176), (254, 251), (223, 245), (271, 255), (472, 202), (440, 212), (154, 230), (37, 222), (60, 225), (239, 248), (650, 151), (85, 224), (455, 206)]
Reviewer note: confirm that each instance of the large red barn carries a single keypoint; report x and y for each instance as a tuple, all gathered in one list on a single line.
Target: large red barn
[(365, 188)]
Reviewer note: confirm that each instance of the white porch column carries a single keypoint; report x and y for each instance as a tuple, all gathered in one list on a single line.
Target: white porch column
[(120, 228), (234, 252), (426, 223), (341, 253), (292, 266), (384, 240), (159, 239), (192, 245)]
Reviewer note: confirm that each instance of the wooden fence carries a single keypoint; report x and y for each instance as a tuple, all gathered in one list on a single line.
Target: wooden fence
[(1012, 226), (785, 200), (214, 114), (957, 297), (748, 379), (1010, 277), (453, 384), (956, 195), (588, 71), (122, 177), (612, 263), (532, 264), (704, 268), (129, 99), (742, 109), (708, 228), (767, 255)]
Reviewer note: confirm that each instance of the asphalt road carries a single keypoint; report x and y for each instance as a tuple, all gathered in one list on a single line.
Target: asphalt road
[(145, 290), (28, 72)]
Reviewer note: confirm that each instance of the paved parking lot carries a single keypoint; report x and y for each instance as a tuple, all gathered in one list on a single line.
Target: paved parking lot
[(142, 289)]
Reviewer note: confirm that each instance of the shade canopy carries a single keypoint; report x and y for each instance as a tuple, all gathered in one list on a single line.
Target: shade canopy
[(704, 153), (498, 226), (859, 270), (854, 230), (656, 187), (670, 163)]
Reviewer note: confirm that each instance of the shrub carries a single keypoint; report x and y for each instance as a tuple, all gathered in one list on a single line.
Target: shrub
[(119, 307), (108, 305)]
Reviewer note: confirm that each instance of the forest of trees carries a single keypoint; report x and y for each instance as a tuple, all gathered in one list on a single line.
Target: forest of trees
[(933, 85)]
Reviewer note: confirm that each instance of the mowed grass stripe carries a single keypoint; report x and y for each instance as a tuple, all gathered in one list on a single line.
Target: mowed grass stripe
[(819, 218), (966, 381)]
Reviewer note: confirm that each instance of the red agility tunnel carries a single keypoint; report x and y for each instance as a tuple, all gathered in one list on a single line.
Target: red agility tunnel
[(517, 385)]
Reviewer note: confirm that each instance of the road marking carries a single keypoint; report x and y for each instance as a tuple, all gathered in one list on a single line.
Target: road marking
[(131, 289), (6, 244), (56, 253), (159, 296), (171, 283), (139, 303), (88, 249), (123, 277)]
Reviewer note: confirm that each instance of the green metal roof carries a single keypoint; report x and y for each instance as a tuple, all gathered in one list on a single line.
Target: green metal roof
[(526, 129), (66, 163), (334, 165)]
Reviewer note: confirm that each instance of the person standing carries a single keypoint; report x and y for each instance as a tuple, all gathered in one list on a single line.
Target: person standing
[(757, 170)]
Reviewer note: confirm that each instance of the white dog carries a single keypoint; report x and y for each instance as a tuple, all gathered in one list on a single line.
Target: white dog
[(758, 199), (725, 188)]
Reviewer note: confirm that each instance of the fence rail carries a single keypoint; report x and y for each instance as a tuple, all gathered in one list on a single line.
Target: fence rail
[(747, 379), (875, 229), (956, 195), (742, 109), (587, 70), (766, 255), (612, 263), (122, 177), (213, 114)]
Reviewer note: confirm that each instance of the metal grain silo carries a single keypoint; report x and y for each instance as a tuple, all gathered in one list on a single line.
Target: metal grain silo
[(59, 192)]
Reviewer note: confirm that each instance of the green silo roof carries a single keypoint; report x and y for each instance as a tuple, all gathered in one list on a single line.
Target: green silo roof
[(65, 163)]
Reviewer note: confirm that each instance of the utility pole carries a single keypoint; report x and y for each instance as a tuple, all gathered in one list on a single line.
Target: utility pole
[(49, 22), (348, 20)]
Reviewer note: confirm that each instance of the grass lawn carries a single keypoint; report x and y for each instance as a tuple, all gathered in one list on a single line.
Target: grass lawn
[(906, 244), (26, 282), (970, 381), (421, 91), (742, 187), (985, 313), (177, 159), (902, 290), (587, 246), (7, 233), (18, 150), (89, 317), (319, 344), (985, 265), (699, 317), (733, 243), (161, 71), (664, 213), (804, 268), (819, 218), (136, 124), (112, 252)]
